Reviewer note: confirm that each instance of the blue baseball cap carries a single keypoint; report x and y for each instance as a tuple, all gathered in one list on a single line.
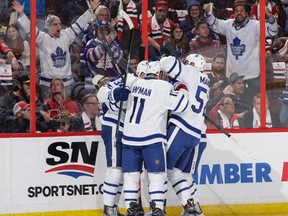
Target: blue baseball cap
[(103, 24)]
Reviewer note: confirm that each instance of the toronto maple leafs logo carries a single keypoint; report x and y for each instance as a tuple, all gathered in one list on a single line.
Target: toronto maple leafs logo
[(237, 48), (59, 58)]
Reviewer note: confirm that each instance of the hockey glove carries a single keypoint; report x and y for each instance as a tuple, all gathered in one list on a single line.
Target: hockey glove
[(118, 94)]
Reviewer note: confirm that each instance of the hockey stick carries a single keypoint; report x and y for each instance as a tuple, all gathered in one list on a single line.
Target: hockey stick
[(217, 126), (125, 16), (131, 28), (243, 147)]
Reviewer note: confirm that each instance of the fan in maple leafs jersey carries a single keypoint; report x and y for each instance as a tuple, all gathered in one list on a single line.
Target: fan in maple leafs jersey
[(243, 44), (53, 46)]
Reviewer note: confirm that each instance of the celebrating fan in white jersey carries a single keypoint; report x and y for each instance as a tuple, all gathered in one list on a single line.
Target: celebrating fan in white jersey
[(186, 129)]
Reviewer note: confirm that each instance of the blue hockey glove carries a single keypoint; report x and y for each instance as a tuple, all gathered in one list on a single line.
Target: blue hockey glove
[(119, 94)]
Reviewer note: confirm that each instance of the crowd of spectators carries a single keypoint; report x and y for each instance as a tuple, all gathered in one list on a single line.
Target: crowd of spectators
[(73, 48)]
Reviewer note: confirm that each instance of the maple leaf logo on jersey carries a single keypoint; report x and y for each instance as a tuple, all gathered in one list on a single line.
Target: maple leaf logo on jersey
[(59, 58), (237, 48)]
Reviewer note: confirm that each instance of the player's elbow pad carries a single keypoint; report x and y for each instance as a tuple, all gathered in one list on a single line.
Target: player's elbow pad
[(183, 102), (168, 63)]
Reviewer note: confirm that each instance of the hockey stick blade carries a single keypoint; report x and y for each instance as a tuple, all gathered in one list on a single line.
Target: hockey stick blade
[(126, 17), (244, 148)]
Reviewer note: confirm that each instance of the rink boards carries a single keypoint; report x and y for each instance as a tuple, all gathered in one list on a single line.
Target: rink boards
[(243, 175)]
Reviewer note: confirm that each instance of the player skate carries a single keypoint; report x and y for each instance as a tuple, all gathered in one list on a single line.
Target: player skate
[(111, 211), (157, 212), (134, 210), (153, 211), (192, 208), (149, 213)]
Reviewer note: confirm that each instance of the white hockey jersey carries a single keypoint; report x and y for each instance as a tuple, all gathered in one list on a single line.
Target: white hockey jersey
[(104, 96), (243, 44), (192, 119), (54, 52), (147, 110)]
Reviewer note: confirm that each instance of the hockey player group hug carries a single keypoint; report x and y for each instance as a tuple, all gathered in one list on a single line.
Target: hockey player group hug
[(171, 92)]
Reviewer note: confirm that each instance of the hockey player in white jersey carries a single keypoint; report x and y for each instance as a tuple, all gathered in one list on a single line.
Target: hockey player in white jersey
[(110, 96), (185, 129), (144, 135)]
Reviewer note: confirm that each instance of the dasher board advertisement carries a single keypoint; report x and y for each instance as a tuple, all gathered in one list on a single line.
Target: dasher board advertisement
[(49, 174)]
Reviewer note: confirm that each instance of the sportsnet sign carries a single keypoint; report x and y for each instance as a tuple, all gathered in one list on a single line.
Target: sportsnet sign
[(73, 159), (59, 170), (65, 190)]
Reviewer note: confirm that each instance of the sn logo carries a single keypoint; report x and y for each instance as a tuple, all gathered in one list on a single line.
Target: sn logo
[(75, 160)]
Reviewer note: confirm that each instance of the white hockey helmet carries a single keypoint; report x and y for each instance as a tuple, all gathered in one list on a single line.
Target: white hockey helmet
[(142, 67), (196, 60), (153, 68)]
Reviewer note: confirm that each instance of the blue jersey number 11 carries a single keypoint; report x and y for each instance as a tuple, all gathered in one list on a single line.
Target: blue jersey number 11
[(139, 111)]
